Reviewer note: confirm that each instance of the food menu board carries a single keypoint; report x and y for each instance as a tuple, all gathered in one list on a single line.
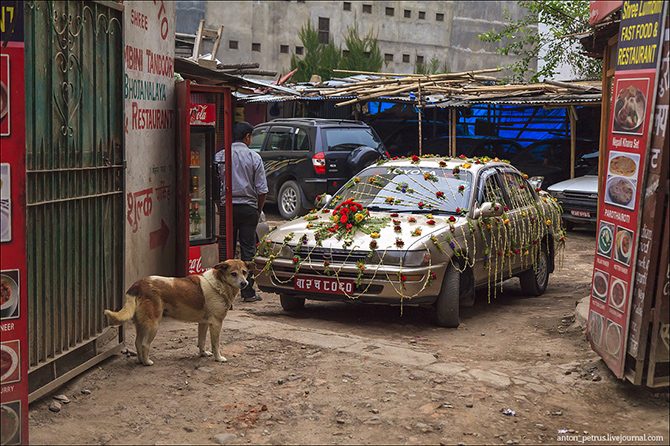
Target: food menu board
[(13, 304), (620, 197)]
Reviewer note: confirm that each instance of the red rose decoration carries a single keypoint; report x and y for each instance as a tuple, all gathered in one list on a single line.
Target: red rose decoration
[(461, 188), (403, 278), (394, 214), (415, 159), (399, 243), (461, 156), (431, 222), (458, 210), (452, 218), (396, 222), (344, 218), (439, 194), (421, 204), (296, 259)]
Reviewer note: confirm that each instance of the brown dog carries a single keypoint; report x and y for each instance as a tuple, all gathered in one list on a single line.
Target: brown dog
[(204, 299)]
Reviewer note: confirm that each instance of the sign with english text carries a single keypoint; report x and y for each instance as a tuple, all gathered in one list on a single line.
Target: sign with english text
[(626, 160), (203, 114)]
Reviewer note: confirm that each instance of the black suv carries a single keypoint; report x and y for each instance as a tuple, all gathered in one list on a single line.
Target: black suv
[(308, 157)]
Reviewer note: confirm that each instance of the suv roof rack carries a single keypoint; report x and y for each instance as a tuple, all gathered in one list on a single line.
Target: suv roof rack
[(316, 121)]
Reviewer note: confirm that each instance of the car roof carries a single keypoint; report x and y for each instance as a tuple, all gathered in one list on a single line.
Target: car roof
[(476, 164), (317, 122)]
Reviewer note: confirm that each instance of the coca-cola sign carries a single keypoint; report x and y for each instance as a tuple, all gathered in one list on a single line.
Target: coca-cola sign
[(195, 260), (203, 114)]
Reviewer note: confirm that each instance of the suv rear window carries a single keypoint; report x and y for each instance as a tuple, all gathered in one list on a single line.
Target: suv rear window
[(347, 139)]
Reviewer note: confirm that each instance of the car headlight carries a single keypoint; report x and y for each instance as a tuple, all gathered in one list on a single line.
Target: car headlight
[(417, 258), (556, 194)]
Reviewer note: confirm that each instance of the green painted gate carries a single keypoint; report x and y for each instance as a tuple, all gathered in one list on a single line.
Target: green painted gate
[(74, 186)]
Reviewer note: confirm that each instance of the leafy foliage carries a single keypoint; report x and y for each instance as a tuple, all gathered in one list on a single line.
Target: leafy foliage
[(432, 67), (363, 52), (520, 38), (321, 59)]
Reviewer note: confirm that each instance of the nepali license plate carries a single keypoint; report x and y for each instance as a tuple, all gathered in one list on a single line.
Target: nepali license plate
[(578, 213), (326, 285)]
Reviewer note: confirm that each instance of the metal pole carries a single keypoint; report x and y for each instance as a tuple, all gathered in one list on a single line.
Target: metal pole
[(228, 157)]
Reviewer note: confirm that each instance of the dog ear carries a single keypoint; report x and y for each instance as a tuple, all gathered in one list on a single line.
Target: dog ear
[(251, 265), (222, 266)]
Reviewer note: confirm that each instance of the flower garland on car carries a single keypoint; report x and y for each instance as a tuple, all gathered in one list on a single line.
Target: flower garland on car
[(513, 238)]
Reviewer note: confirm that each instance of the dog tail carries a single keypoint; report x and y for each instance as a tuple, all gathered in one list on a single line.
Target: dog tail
[(125, 313)]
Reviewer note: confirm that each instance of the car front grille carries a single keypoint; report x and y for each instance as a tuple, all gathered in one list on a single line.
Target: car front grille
[(337, 255), (579, 200)]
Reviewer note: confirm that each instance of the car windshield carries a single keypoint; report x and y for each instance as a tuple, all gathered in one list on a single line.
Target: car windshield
[(347, 139), (409, 189)]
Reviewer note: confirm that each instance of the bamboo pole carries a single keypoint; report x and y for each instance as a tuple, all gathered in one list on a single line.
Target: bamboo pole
[(462, 73), (420, 123), (375, 95), (573, 139)]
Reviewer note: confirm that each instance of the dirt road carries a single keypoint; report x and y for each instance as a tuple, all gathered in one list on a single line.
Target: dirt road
[(339, 373)]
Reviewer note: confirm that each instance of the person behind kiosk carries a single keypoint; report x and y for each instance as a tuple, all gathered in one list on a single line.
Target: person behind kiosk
[(249, 187)]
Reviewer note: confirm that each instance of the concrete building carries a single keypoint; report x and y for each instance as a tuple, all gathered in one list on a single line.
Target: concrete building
[(408, 32)]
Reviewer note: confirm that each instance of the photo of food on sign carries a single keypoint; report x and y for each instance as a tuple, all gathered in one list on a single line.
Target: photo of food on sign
[(617, 294), (10, 370), (620, 192), (9, 294), (623, 164), (630, 106), (613, 338), (623, 245), (600, 285), (10, 423), (605, 239), (596, 324)]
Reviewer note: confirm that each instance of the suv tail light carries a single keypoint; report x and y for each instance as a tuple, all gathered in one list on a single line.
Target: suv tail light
[(319, 163)]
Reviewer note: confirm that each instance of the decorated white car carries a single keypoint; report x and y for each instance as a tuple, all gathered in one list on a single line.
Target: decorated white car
[(417, 231)]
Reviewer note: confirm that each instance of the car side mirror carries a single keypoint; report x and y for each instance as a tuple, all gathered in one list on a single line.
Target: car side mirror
[(323, 200), (488, 209), (536, 182)]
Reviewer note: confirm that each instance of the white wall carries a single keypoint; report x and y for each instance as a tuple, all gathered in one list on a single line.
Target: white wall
[(150, 135)]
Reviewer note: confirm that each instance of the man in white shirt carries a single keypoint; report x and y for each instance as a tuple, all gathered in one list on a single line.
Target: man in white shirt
[(249, 188)]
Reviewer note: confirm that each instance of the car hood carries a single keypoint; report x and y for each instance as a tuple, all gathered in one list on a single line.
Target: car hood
[(586, 184), (361, 240)]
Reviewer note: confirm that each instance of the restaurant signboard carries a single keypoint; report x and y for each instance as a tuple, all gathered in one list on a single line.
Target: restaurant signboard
[(626, 160)]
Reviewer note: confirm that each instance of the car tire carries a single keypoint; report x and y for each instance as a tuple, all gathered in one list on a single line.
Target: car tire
[(290, 302), (448, 301), (289, 200), (534, 281)]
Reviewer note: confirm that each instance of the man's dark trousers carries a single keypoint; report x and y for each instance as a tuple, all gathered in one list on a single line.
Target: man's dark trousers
[(245, 220)]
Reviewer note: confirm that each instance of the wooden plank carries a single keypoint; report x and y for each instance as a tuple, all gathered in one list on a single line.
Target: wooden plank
[(573, 139)]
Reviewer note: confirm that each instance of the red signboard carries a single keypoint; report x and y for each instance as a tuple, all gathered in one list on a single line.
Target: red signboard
[(620, 200), (195, 260), (203, 114), (600, 9), (13, 302)]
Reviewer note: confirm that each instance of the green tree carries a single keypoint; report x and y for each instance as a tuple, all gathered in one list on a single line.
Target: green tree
[(363, 52), (320, 59), (521, 38), (432, 67)]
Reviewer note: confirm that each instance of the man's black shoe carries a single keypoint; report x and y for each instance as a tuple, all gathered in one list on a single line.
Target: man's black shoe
[(254, 298)]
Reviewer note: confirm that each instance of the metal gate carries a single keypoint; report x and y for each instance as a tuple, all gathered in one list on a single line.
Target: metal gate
[(74, 186)]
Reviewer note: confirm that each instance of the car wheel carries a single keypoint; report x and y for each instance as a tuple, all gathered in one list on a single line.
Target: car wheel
[(290, 302), (534, 281), (290, 200), (446, 306)]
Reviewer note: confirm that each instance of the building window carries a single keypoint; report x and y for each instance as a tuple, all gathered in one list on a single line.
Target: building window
[(324, 28), (256, 47), (232, 44), (367, 9), (388, 57), (405, 58), (419, 60), (390, 11), (439, 17), (422, 15), (346, 6), (299, 50), (283, 49), (366, 54), (408, 14)]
